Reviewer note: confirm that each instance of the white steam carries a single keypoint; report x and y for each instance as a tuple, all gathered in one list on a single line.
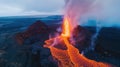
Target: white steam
[(105, 11), (76, 8)]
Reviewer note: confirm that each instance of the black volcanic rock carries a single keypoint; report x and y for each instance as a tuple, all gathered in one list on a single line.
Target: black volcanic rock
[(82, 37), (20, 38), (108, 42), (33, 33), (37, 28)]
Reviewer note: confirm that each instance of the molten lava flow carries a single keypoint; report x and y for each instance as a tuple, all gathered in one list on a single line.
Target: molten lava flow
[(69, 57)]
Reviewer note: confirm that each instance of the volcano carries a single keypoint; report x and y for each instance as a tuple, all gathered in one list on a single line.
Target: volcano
[(64, 51)]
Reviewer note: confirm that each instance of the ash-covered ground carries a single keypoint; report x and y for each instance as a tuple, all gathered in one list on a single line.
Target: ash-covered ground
[(22, 39)]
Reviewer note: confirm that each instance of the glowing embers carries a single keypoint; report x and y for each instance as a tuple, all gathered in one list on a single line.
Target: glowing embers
[(66, 54)]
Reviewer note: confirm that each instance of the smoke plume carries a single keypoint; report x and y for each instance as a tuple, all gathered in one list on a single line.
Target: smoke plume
[(107, 12), (76, 8)]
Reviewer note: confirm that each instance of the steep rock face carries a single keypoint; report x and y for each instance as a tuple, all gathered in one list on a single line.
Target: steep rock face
[(81, 37), (34, 32)]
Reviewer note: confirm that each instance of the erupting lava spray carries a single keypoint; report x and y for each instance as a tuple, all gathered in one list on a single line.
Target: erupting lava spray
[(62, 49)]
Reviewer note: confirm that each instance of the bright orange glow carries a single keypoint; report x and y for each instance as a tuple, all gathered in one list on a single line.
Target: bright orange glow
[(70, 57), (66, 28)]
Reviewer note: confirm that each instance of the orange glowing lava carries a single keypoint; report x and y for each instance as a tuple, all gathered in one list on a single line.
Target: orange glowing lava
[(70, 57), (66, 28)]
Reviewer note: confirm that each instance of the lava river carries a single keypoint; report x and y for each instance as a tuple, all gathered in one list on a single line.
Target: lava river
[(65, 53)]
